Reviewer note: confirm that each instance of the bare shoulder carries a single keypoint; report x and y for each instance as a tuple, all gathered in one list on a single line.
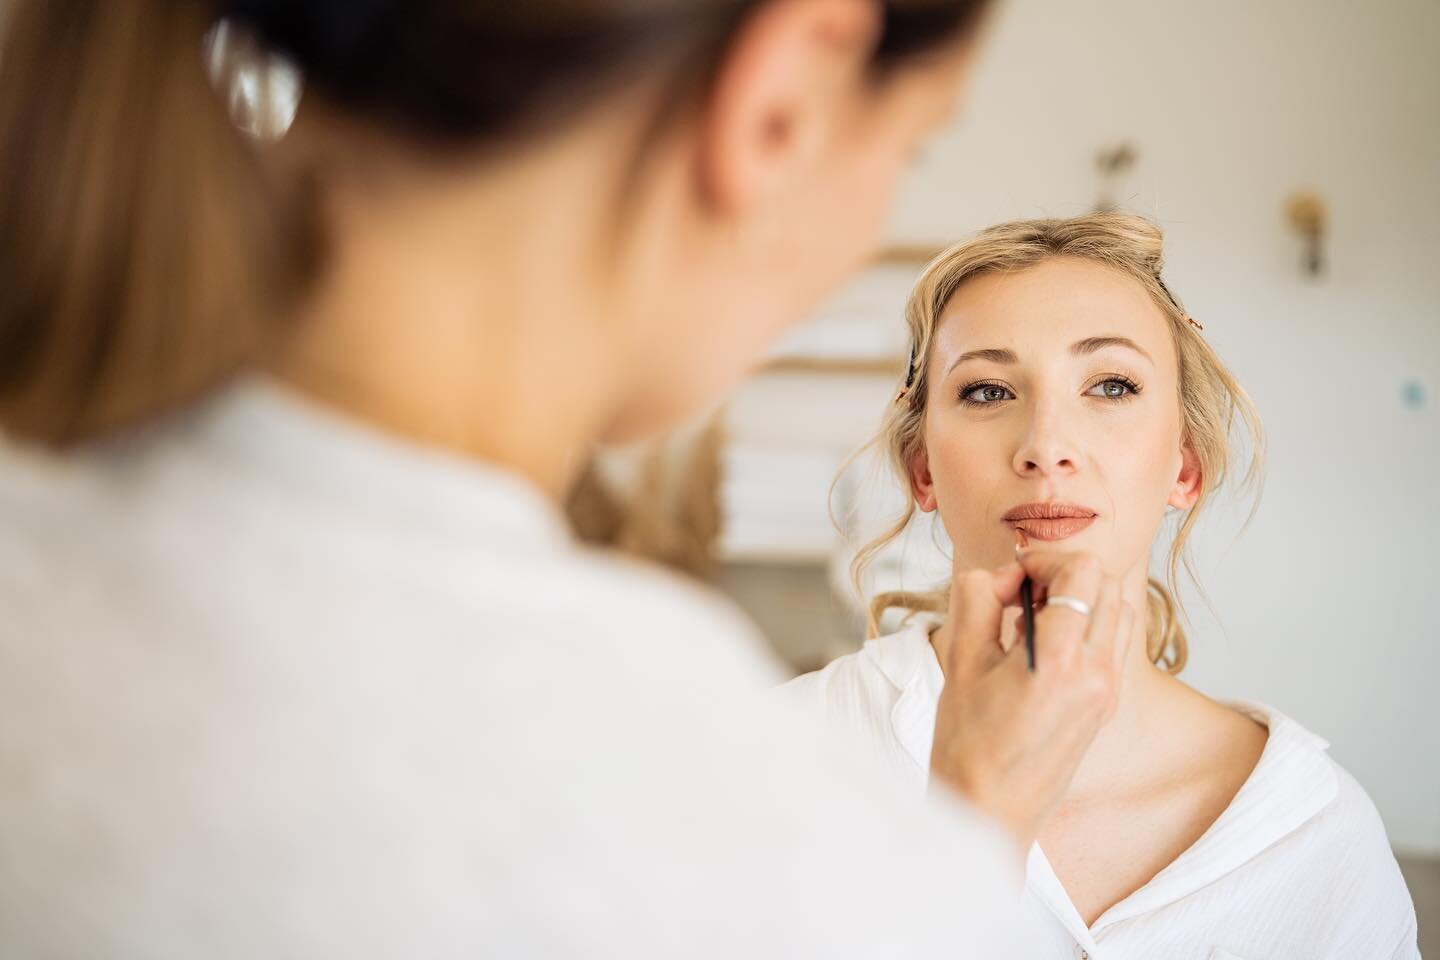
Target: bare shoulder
[(1241, 737), (1226, 743)]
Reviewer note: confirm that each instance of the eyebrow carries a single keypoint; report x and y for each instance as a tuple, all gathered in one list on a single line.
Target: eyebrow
[(992, 354), (1081, 348)]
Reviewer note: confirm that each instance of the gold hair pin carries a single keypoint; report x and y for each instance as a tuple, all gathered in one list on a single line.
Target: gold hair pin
[(909, 376), (1176, 303)]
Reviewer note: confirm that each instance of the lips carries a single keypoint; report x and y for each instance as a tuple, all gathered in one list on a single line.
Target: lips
[(1049, 521)]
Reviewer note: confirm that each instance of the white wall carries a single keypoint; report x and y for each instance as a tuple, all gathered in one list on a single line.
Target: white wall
[(1329, 605)]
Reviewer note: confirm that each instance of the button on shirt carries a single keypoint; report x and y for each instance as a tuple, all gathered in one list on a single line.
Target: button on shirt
[(1297, 866), (273, 684)]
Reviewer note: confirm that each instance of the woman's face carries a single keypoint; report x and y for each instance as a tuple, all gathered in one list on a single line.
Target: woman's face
[(1053, 409)]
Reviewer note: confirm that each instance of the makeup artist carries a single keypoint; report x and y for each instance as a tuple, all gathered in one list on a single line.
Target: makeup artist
[(296, 656)]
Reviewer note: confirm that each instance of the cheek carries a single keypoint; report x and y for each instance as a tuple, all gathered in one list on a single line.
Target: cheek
[(679, 373), (814, 263), (867, 178), (968, 472), (1139, 467), (852, 231), (958, 459), (1160, 458)]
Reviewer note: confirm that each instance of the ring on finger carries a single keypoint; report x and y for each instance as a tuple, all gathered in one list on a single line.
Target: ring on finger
[(1070, 603)]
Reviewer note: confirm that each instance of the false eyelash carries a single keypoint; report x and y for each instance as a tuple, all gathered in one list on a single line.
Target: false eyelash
[(1135, 388), (969, 388)]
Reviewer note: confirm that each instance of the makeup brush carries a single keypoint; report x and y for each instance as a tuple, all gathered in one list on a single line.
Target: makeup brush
[(1027, 603)]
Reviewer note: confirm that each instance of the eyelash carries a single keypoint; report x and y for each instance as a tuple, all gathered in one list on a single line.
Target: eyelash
[(1133, 390), (968, 389)]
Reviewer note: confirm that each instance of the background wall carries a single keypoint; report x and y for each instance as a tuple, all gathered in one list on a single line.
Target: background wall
[(1328, 606)]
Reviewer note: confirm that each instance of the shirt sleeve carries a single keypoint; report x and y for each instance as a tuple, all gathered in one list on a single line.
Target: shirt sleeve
[(1368, 889)]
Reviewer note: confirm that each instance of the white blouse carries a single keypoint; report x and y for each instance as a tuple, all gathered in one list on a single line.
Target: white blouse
[(1297, 866), (273, 684)]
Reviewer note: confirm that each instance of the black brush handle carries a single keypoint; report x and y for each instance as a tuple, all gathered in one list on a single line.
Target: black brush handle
[(1027, 607)]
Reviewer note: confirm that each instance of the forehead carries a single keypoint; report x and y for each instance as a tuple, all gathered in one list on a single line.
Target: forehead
[(1047, 307)]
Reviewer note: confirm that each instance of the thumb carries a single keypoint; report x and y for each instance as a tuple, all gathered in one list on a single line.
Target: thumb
[(976, 616)]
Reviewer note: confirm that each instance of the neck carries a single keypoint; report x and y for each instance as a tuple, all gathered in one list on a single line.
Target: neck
[(1148, 696), (469, 312)]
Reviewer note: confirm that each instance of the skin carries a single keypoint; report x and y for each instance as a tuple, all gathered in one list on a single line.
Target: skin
[(548, 306), (1056, 424), (523, 303)]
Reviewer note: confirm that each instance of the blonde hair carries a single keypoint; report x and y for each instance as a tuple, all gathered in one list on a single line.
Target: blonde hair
[(1210, 397)]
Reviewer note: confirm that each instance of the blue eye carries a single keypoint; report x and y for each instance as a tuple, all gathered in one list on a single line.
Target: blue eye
[(985, 394), (1114, 388)]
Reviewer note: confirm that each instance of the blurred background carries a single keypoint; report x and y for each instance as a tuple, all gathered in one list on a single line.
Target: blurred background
[(1291, 152)]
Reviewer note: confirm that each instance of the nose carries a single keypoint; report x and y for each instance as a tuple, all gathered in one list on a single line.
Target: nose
[(1045, 450)]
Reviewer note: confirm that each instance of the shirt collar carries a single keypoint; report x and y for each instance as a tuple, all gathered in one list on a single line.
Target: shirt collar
[(261, 428), (1043, 885), (908, 661), (1291, 783)]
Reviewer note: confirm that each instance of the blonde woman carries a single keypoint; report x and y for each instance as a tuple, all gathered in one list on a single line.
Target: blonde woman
[(1061, 395)]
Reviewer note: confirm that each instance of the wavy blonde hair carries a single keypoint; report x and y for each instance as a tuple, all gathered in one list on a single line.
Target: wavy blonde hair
[(1210, 398)]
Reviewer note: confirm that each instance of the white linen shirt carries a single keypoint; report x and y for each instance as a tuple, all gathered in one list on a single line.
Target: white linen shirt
[(273, 684), (1296, 868)]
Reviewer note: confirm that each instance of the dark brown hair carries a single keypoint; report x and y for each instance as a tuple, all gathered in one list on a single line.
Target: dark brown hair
[(146, 252)]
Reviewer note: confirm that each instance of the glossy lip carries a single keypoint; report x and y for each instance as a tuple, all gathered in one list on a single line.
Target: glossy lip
[(1049, 521)]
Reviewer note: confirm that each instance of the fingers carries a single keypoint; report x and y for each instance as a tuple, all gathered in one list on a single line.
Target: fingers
[(1101, 635), (976, 612), (976, 638), (1108, 642), (1006, 582), (1016, 631), (1069, 574), (984, 634), (1061, 631), (1125, 631)]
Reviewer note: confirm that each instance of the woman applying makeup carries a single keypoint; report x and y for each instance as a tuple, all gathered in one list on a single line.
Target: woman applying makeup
[(1062, 397)]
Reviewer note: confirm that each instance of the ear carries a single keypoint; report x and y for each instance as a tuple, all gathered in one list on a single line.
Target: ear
[(922, 485), (787, 74), (1187, 485)]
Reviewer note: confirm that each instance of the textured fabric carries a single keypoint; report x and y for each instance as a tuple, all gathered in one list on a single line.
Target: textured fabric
[(273, 685), (1297, 865)]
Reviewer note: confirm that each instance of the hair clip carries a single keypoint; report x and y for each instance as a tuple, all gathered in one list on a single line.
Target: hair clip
[(1176, 304), (909, 376), (260, 87)]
